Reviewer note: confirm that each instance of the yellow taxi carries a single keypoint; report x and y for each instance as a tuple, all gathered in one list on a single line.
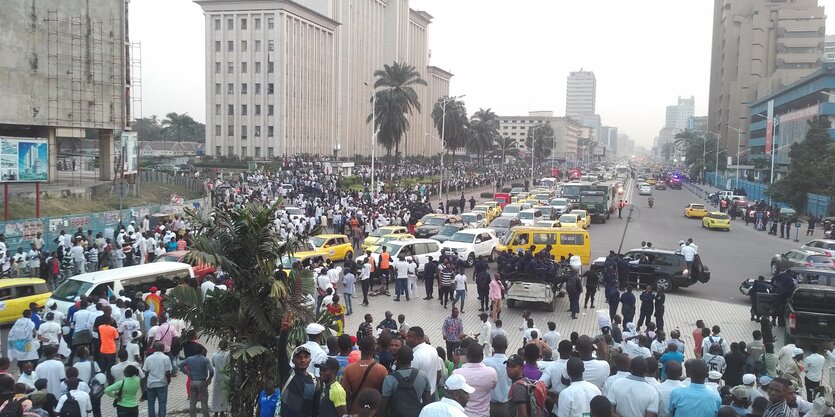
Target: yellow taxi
[(305, 250), (695, 211), (17, 293), (583, 215), (389, 238), (571, 220), (717, 220), (651, 181), (489, 213), (335, 247), (375, 236)]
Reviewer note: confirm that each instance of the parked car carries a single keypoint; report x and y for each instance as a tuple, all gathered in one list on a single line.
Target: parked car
[(502, 224), (474, 218), (821, 246), (530, 216), (432, 223), (421, 249), (800, 258), (472, 243), (448, 230)]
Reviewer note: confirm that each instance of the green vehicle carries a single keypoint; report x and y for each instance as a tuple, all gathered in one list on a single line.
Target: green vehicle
[(598, 201)]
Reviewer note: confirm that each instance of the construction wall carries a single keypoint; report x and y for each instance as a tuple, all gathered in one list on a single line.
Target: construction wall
[(63, 63)]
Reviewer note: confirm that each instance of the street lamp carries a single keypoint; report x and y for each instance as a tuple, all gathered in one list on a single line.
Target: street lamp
[(374, 132), (716, 166), (738, 144), (443, 138)]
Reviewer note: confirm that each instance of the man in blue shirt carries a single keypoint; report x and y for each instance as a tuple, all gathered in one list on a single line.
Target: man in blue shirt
[(695, 400), (499, 395)]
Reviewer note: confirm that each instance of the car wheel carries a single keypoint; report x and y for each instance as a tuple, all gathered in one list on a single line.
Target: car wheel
[(774, 269), (663, 283), (471, 260), (511, 303), (494, 255), (348, 256)]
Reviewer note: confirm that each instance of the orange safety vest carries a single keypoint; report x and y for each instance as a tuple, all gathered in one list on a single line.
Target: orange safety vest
[(384, 260)]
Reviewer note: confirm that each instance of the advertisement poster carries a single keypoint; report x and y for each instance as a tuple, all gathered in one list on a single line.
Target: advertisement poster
[(129, 150), (24, 159)]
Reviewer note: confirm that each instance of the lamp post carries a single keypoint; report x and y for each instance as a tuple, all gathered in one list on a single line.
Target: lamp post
[(716, 166), (443, 139), (738, 144), (373, 132)]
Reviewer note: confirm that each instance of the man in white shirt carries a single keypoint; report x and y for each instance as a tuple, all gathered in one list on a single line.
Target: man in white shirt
[(52, 370), (597, 370), (622, 364), (425, 356), (576, 399), (456, 393), (401, 283), (673, 371), (689, 254), (78, 395), (551, 337), (206, 286), (117, 371), (484, 333), (50, 332), (554, 375), (632, 395), (814, 371)]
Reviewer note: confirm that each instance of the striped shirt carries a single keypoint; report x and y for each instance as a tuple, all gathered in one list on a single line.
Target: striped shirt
[(446, 276), (780, 409)]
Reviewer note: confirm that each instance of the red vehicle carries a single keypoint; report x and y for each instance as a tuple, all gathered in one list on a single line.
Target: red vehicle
[(200, 270), (502, 199)]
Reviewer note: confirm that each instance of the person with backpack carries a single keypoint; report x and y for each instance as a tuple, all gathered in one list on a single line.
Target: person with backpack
[(456, 395), (406, 387), (75, 402), (522, 390)]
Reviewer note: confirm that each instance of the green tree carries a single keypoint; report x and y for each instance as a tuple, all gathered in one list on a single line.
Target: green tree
[(148, 128), (484, 130), (182, 126), (542, 136), (245, 244), (667, 151), (504, 147), (396, 98), (456, 130), (811, 167)]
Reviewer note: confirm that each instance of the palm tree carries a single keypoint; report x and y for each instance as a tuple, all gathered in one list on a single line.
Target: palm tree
[(396, 97), (504, 147), (456, 130), (484, 130), (542, 136), (179, 126), (245, 244)]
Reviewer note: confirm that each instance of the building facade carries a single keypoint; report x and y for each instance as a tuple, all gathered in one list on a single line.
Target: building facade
[(758, 47), (319, 56), (66, 69), (697, 123), (829, 49), (580, 95), (567, 132), (677, 115)]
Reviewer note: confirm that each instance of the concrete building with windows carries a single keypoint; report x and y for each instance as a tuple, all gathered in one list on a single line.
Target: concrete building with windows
[(66, 70), (829, 49), (759, 46), (678, 114), (581, 93), (567, 132), (609, 139), (286, 77), (697, 123)]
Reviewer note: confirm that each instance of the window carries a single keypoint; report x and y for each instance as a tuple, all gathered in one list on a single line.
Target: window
[(217, 24), (243, 88), (270, 131), (243, 132), (270, 152), (217, 151), (229, 151), (217, 67), (230, 88), (270, 23), (243, 109), (520, 239), (270, 45), (243, 24), (257, 22), (243, 67), (270, 67), (257, 67), (217, 133), (230, 67), (572, 239), (243, 151), (217, 46), (217, 109), (257, 88), (230, 131), (257, 151), (230, 23), (269, 110), (257, 113), (230, 110), (243, 46), (257, 46), (270, 88), (544, 239), (217, 88), (230, 46), (257, 131)]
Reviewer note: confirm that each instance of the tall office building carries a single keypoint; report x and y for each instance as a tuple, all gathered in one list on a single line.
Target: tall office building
[(758, 47), (567, 132), (580, 95), (829, 49), (677, 115), (285, 77)]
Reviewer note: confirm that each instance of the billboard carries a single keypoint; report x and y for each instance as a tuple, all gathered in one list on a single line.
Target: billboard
[(128, 153), (24, 159)]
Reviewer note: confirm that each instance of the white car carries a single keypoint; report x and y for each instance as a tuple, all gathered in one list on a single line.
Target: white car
[(471, 243), (645, 189), (294, 213), (421, 249), (511, 210), (529, 216), (475, 219), (560, 205)]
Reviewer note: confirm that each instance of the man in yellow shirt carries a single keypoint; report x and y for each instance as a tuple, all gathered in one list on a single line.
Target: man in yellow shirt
[(333, 402)]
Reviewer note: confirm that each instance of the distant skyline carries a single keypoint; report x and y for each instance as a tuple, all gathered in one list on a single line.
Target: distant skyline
[(512, 59)]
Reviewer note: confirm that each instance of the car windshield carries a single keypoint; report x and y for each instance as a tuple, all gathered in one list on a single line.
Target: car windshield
[(526, 215), (568, 218), (469, 217), (448, 230), (481, 208), (697, 207), (386, 239), (391, 248), (571, 190), (593, 198), (511, 209), (434, 221), (500, 222), (559, 202), (70, 289), (168, 258), (543, 196), (379, 232), (317, 241), (721, 216), (463, 237)]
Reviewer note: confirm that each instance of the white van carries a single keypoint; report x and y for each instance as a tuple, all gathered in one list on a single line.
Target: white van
[(132, 279), (529, 216)]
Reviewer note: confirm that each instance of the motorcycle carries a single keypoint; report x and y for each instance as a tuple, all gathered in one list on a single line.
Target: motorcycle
[(651, 202)]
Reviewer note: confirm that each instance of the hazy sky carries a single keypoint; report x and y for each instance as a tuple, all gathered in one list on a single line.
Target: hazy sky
[(511, 56)]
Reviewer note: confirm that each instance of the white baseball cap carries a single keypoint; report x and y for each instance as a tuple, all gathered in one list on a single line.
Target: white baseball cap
[(458, 382)]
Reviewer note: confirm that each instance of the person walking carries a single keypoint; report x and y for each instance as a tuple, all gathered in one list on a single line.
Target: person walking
[(621, 203), (592, 283), (220, 395), (460, 288), (574, 287), (430, 271), (647, 305), (365, 279), (451, 330), (348, 289), (157, 367), (495, 294), (125, 393)]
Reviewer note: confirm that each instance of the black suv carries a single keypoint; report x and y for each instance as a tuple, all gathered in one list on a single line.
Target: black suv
[(663, 269)]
